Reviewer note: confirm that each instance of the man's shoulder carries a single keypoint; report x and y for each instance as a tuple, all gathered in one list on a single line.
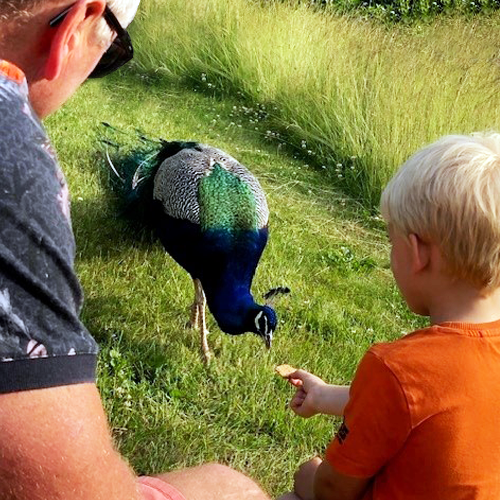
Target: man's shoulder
[(11, 72), (13, 90), (16, 113), (30, 177)]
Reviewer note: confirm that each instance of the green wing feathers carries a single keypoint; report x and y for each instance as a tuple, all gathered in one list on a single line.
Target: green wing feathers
[(226, 202)]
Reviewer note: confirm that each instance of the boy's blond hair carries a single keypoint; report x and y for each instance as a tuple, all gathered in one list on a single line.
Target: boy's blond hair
[(449, 193)]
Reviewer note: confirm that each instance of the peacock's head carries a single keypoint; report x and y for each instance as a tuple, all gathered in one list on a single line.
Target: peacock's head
[(265, 324)]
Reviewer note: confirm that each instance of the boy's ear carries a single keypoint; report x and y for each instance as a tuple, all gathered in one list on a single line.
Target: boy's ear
[(420, 253), (68, 34)]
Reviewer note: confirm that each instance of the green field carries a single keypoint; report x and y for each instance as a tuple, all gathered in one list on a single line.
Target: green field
[(359, 113), (352, 96)]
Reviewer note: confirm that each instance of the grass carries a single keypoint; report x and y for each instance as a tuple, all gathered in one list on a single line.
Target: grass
[(350, 97), (166, 409)]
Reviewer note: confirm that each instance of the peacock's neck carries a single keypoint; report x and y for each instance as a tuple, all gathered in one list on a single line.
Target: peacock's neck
[(231, 304)]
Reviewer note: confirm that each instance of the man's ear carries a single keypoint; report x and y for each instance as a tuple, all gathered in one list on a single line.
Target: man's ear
[(66, 35), (420, 253)]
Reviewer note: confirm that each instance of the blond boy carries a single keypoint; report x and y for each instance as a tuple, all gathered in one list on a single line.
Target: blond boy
[(422, 416)]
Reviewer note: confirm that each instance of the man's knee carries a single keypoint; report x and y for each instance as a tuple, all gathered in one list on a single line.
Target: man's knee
[(218, 469), (214, 481), (227, 474), (236, 482)]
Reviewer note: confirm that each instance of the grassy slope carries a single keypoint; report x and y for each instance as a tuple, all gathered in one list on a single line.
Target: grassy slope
[(166, 409), (356, 94)]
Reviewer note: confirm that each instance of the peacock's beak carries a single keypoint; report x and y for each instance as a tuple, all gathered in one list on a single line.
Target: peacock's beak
[(268, 339)]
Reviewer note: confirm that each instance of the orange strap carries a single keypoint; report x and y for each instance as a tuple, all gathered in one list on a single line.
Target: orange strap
[(12, 72)]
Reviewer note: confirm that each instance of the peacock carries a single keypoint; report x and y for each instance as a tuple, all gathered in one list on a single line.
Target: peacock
[(211, 216)]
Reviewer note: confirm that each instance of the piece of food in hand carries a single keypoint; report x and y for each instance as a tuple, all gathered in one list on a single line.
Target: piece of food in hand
[(285, 370)]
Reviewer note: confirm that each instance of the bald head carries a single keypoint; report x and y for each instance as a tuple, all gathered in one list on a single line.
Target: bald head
[(57, 58), (124, 10)]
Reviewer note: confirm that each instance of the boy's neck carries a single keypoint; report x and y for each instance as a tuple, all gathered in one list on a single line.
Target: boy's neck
[(465, 304)]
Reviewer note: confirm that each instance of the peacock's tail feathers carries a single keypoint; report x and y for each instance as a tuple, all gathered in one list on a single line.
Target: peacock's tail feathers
[(226, 202), (134, 159)]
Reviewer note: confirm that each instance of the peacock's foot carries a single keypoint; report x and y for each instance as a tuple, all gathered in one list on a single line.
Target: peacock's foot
[(207, 356)]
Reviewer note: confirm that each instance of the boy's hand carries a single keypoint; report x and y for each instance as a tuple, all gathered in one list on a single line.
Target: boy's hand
[(307, 400)]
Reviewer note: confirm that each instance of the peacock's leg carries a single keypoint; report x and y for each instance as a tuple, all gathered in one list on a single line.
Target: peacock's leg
[(201, 302), (193, 320)]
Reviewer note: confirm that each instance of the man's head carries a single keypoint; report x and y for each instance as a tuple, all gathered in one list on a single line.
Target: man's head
[(448, 194), (58, 56)]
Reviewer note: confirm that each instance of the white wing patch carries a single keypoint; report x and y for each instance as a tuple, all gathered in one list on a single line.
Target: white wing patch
[(177, 180)]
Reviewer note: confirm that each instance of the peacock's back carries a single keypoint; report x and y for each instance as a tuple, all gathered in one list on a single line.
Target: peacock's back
[(207, 187)]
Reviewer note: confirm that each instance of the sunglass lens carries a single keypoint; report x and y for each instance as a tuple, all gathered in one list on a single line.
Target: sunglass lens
[(115, 57)]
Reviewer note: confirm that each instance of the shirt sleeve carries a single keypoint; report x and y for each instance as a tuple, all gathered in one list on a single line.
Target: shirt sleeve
[(376, 421), (42, 341)]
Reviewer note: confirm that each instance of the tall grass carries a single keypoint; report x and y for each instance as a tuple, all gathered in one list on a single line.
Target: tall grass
[(356, 98)]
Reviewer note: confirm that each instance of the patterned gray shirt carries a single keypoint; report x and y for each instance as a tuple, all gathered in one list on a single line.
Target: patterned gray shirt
[(42, 341)]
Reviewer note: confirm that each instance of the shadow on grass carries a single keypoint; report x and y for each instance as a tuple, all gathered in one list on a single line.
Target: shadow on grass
[(103, 306), (106, 316), (101, 231)]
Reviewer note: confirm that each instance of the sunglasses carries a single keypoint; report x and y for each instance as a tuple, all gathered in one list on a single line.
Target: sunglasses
[(119, 53)]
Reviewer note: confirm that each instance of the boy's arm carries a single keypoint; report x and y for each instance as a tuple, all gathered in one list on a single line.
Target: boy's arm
[(314, 396), (333, 399), (376, 425), (55, 443), (330, 484)]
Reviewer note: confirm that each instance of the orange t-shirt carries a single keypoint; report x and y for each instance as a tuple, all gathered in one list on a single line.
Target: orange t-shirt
[(423, 416)]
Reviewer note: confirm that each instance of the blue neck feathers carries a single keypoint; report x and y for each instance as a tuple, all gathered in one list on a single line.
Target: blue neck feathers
[(228, 280), (233, 308)]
